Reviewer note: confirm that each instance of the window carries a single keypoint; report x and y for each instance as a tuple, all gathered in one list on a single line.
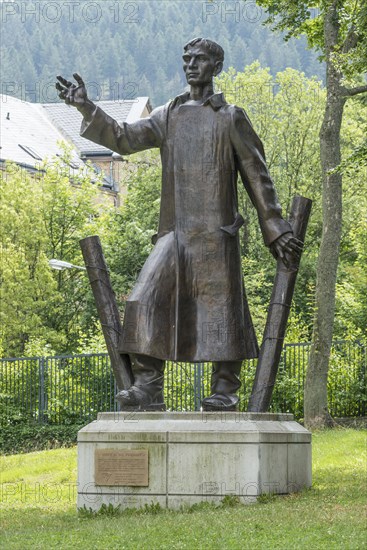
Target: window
[(30, 151), (72, 164)]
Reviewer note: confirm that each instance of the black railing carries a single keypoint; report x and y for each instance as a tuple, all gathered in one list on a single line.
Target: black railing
[(68, 389)]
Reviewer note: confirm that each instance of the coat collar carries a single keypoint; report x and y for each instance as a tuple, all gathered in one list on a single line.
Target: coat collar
[(216, 100)]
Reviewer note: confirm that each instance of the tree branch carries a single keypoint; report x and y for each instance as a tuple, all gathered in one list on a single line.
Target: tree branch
[(350, 41), (354, 91)]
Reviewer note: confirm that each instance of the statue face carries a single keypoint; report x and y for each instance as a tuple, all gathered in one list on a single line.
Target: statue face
[(200, 66)]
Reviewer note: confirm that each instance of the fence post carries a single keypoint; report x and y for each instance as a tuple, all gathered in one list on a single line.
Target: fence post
[(198, 383), (41, 395), (285, 370)]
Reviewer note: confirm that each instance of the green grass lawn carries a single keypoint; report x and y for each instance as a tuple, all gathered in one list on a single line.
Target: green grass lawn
[(38, 495)]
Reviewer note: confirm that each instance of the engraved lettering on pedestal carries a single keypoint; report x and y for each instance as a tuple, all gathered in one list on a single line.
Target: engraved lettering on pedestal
[(122, 467)]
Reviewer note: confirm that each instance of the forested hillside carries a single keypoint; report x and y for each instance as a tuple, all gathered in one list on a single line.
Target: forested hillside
[(125, 49)]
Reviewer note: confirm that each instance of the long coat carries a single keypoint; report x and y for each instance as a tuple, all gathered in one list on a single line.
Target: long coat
[(189, 302)]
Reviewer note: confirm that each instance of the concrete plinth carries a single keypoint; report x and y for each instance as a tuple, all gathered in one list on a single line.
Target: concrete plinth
[(192, 457)]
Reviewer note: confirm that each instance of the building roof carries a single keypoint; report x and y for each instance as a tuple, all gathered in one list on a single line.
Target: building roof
[(30, 132), (27, 136), (68, 120)]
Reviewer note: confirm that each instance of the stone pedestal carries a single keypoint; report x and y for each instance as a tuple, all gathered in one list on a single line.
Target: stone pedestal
[(188, 458)]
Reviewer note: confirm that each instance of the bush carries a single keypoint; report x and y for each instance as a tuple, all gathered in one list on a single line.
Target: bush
[(25, 438)]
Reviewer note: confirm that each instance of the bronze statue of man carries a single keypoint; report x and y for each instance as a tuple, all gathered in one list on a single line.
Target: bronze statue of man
[(189, 302)]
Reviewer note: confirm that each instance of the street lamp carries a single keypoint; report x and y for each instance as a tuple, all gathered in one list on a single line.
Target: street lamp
[(60, 265)]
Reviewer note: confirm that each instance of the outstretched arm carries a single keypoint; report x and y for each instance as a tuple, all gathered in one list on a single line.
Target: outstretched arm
[(99, 127)]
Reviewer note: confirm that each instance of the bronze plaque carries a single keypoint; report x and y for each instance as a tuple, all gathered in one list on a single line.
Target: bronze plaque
[(122, 467)]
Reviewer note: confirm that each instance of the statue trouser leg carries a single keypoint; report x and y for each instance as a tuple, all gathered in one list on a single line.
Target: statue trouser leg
[(224, 386), (147, 390)]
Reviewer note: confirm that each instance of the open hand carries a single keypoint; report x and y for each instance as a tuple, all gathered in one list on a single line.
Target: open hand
[(72, 94), (287, 247)]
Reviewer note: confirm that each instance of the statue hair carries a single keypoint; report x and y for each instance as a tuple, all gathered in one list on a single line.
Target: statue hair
[(209, 45)]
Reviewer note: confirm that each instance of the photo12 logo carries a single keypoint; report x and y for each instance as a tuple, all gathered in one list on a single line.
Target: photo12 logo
[(52, 12), (232, 11), (45, 92), (31, 493)]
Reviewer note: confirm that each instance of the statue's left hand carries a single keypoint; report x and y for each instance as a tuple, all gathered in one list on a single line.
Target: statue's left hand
[(287, 247)]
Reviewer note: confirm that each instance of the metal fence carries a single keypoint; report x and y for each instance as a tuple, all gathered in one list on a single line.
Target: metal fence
[(68, 389)]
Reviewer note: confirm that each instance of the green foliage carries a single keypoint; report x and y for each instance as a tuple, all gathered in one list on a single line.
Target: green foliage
[(105, 510), (69, 213), (27, 284), (353, 166), (127, 241), (155, 509), (92, 340), (56, 390), (347, 380), (112, 511), (338, 31), (230, 501), (25, 437), (286, 112), (11, 413), (351, 288), (266, 498), (298, 17), (41, 218)]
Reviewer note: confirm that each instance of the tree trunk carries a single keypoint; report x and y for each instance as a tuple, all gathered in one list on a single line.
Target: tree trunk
[(315, 399)]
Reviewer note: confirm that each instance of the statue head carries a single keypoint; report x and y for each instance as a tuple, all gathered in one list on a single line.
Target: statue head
[(203, 59)]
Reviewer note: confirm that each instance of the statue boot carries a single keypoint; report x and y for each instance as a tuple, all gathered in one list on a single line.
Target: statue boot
[(225, 383), (146, 394)]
